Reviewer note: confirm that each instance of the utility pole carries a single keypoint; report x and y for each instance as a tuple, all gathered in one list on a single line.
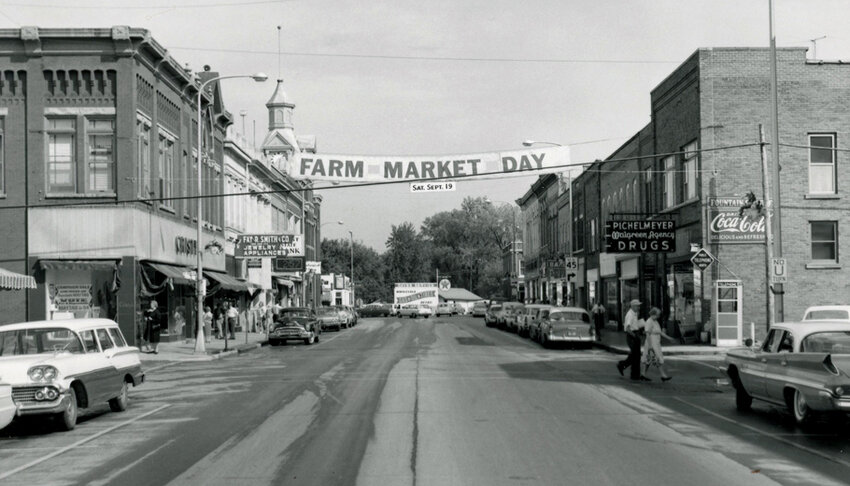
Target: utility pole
[(774, 169), (768, 244)]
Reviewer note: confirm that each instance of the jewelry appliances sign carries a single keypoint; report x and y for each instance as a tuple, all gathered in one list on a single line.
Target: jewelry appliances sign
[(726, 224)]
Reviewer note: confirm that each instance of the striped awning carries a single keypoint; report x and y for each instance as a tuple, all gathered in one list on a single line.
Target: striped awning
[(15, 281)]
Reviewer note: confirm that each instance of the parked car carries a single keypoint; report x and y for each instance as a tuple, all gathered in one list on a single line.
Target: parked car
[(57, 367), (459, 309), (445, 309), (348, 317), (827, 313), (492, 315), (295, 323), (375, 310), (415, 310), (395, 309), (528, 318), (330, 318), (479, 309), (7, 405), (510, 312), (564, 325), (803, 366)]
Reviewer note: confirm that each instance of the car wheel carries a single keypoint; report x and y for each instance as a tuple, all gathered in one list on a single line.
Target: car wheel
[(800, 409), (68, 418), (743, 400), (310, 340), (273, 342), (119, 403)]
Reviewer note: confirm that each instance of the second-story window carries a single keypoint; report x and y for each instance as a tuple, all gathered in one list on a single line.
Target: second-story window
[(100, 166), (61, 160), (2, 157), (822, 164), (647, 190), (669, 164), (143, 173), (691, 174)]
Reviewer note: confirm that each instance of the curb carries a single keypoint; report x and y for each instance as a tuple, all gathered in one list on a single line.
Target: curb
[(245, 348)]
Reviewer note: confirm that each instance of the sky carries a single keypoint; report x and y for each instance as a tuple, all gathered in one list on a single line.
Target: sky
[(413, 77)]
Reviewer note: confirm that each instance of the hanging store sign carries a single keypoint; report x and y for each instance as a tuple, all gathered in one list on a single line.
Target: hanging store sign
[(368, 168), (630, 236), (727, 225), (289, 264), (267, 246)]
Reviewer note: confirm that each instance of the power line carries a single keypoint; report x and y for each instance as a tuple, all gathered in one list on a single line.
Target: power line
[(74, 6), (472, 177), (427, 58)]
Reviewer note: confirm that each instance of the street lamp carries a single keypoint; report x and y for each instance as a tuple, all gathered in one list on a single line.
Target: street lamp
[(514, 251), (199, 277)]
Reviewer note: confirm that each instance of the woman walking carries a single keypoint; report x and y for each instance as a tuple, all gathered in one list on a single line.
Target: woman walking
[(652, 354)]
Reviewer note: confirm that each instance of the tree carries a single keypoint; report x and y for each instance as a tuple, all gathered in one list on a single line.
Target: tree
[(407, 255), (368, 268)]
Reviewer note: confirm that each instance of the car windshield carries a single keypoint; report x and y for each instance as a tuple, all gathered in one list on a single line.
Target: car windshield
[(496, 307), (291, 313), (326, 312), (39, 340), (833, 342), (827, 314), (562, 316)]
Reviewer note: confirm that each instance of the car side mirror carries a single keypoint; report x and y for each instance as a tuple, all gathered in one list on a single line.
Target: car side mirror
[(748, 342)]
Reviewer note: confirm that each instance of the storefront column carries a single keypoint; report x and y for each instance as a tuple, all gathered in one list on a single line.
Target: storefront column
[(128, 307)]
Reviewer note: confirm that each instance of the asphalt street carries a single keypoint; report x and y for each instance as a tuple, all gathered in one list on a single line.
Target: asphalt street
[(442, 401)]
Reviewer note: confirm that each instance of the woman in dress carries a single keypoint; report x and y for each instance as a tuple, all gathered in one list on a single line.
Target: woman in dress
[(652, 354)]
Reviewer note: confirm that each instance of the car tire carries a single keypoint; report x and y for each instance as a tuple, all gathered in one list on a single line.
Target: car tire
[(310, 340), (743, 400), (273, 342), (119, 403), (800, 409), (68, 418)]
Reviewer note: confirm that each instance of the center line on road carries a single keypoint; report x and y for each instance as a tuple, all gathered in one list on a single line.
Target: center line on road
[(80, 442), (769, 434)]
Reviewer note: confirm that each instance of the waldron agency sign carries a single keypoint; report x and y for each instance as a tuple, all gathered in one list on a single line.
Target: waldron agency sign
[(623, 236), (267, 246), (726, 225), (368, 168)]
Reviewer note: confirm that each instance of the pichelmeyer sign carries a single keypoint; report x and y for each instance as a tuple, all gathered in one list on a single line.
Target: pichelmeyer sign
[(640, 236), (370, 168), (726, 225), (268, 246)]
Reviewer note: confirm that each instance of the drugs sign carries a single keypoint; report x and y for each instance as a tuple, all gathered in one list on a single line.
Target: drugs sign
[(268, 246), (644, 236)]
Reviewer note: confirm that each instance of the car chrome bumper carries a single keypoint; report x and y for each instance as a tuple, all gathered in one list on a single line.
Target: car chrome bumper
[(583, 339), (43, 408)]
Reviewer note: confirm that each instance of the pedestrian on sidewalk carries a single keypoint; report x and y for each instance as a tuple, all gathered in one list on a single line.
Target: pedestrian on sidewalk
[(153, 319), (633, 327), (652, 355), (218, 320), (208, 320), (232, 318), (598, 313)]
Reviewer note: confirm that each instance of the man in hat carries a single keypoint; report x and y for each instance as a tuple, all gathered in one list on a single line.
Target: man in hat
[(633, 327)]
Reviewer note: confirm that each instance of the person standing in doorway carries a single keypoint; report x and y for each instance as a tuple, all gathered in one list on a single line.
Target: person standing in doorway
[(598, 313), (633, 328), (153, 320)]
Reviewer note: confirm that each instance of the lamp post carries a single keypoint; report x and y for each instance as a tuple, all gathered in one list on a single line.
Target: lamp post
[(200, 290), (351, 236)]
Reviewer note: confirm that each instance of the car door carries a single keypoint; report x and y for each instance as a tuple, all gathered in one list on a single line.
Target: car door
[(752, 370), (111, 376), (94, 368), (125, 358), (776, 365)]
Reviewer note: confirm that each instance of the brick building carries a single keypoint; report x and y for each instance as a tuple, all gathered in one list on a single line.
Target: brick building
[(97, 177), (694, 163)]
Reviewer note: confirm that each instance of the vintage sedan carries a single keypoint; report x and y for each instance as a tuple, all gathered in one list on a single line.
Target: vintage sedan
[(295, 324), (479, 309), (445, 309), (329, 318), (528, 318), (564, 325), (375, 310), (492, 314), (511, 312), (415, 310), (57, 367), (827, 313), (802, 366)]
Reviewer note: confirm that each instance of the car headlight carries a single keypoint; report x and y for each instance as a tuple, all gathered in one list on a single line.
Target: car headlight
[(43, 373), (839, 391)]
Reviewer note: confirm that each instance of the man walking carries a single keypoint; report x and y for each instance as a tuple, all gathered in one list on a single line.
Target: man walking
[(598, 313), (633, 327)]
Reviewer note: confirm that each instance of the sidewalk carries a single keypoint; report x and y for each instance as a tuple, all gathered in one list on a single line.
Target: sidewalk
[(615, 341), (185, 350)]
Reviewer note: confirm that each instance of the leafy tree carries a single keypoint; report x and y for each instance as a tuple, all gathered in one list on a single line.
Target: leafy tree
[(368, 268), (407, 255)]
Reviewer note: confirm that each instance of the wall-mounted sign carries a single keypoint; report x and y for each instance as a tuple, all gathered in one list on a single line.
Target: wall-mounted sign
[(315, 267), (267, 246), (288, 264), (71, 298), (702, 259), (185, 246), (255, 262), (640, 236), (779, 271), (726, 225)]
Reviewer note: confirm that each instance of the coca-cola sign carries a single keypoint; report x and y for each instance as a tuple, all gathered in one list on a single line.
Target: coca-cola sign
[(727, 225)]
